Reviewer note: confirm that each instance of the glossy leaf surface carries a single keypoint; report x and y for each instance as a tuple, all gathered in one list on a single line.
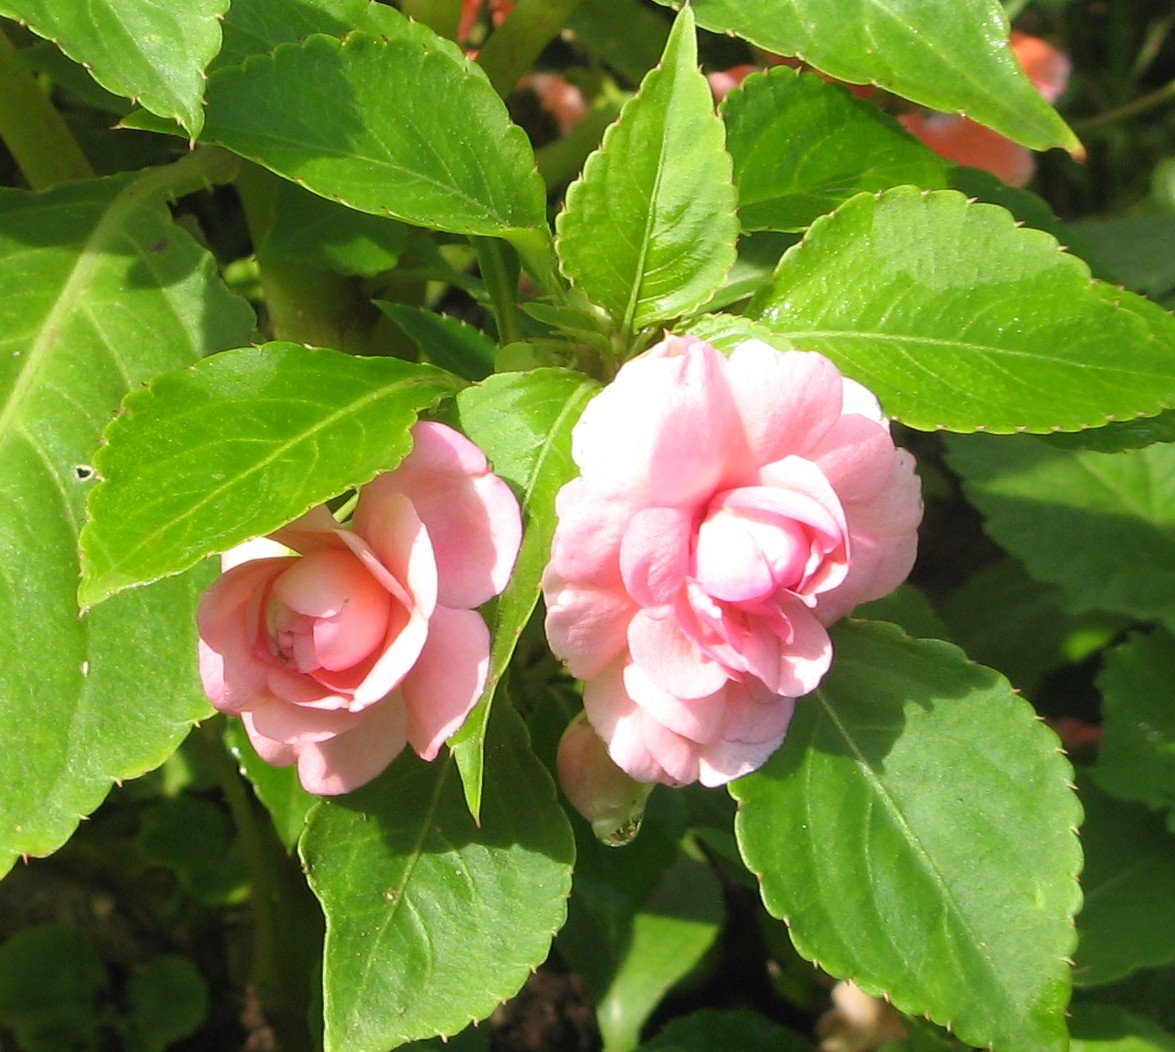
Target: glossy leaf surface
[(431, 919), (523, 423), (286, 427), (966, 321), (918, 811), (99, 291), (648, 230)]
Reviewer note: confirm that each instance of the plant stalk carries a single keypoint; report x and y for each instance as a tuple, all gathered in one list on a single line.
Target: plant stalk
[(499, 272), (32, 129), (516, 43), (287, 923), (1150, 101)]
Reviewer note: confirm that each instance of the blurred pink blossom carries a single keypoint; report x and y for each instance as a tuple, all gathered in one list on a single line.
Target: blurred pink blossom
[(367, 640), (727, 512)]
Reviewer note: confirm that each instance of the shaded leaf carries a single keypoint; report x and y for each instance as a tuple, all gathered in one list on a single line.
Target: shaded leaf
[(712, 1029), (431, 919), (283, 427), (1128, 921), (1099, 526), (917, 811), (169, 1001), (277, 788), (445, 341), (1105, 1028), (1137, 756)]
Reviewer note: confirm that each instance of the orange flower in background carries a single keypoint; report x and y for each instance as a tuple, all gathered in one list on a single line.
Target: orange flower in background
[(471, 10), (957, 138), (963, 141)]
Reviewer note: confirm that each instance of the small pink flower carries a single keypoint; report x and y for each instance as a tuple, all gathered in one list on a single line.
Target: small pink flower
[(368, 640), (727, 511)]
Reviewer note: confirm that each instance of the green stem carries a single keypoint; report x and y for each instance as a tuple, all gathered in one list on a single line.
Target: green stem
[(499, 272), (1151, 101), (287, 923), (537, 252), (33, 130), (512, 47), (306, 304), (441, 16)]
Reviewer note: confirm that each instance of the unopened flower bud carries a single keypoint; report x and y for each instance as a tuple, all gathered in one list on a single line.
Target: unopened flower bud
[(611, 801)]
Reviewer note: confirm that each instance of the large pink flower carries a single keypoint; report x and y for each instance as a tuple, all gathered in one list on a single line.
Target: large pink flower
[(368, 640), (727, 511)]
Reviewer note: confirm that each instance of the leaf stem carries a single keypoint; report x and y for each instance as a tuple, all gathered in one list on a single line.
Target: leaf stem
[(287, 923), (306, 304), (513, 46), (537, 252), (32, 129), (499, 272), (1150, 101)]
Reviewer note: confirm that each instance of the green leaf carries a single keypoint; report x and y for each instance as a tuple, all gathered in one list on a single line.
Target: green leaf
[(393, 127), (99, 291), (1003, 618), (277, 788), (952, 57), (257, 27), (444, 340), (711, 1029), (169, 1001), (523, 422), (144, 50), (1137, 756), (1099, 526), (1105, 1028), (918, 811), (431, 919), (908, 608), (802, 146), (648, 230), (1128, 921), (50, 978), (1135, 248), (670, 934), (319, 233), (625, 34), (282, 428), (966, 322), (195, 839)]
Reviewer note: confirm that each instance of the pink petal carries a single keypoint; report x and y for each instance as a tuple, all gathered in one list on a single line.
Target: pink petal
[(655, 554), (344, 763), (756, 725), (447, 680), (590, 525), (297, 725), (1047, 68), (857, 457), (671, 660), (233, 657), (349, 606), (472, 517), (883, 533), (396, 548), (316, 531), (277, 753), (786, 399), (731, 556), (666, 430), (300, 689), (858, 400), (586, 627), (619, 721), (805, 659), (698, 719)]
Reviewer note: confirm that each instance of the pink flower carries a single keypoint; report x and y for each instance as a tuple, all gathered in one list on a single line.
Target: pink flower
[(727, 511), (368, 640), (611, 801)]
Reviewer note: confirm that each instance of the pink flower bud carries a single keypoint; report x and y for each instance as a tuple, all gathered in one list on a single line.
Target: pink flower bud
[(611, 801)]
